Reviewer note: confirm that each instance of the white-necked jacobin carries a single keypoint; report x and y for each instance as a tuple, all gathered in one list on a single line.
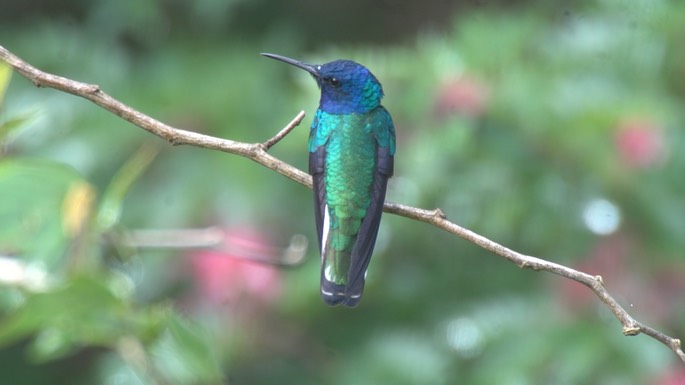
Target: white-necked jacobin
[(351, 157)]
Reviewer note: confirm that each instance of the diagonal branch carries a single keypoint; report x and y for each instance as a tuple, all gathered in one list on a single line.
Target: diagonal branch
[(285, 131), (258, 153)]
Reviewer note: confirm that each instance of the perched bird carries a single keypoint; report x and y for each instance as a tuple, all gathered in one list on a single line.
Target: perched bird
[(351, 157)]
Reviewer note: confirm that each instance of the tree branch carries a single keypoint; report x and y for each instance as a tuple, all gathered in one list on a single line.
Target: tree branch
[(258, 153), (285, 131)]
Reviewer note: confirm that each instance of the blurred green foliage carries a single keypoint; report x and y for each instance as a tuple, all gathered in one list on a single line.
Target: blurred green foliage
[(554, 129)]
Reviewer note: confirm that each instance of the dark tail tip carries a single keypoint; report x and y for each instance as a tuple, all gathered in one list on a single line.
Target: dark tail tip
[(333, 294), (335, 300)]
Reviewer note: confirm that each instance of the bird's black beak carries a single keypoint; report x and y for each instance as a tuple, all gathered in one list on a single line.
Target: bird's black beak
[(311, 68)]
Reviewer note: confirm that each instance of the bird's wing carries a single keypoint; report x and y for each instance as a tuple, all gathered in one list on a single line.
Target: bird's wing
[(317, 161), (366, 238)]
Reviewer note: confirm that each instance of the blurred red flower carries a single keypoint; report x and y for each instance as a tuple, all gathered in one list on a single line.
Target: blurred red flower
[(464, 95), (229, 276), (640, 143), (673, 376)]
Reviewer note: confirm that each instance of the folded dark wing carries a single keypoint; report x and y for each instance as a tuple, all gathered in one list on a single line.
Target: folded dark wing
[(366, 240), (317, 161)]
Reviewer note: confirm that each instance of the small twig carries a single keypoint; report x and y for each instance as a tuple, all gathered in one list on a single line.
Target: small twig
[(285, 131), (215, 238), (257, 152)]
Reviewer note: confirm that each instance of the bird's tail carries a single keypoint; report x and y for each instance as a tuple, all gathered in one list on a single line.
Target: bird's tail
[(341, 294), (342, 282)]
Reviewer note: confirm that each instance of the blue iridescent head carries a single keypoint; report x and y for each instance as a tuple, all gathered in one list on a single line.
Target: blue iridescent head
[(346, 87)]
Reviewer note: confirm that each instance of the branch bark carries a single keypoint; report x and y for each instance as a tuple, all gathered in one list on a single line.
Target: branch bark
[(258, 153)]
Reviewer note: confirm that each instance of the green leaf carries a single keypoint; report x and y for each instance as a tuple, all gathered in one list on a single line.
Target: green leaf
[(185, 354), (5, 76), (14, 123), (43, 205), (83, 311)]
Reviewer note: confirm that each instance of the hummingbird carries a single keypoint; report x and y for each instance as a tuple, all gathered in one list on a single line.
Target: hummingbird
[(351, 157)]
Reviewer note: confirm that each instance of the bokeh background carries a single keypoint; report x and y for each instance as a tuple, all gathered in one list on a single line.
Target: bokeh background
[(555, 128)]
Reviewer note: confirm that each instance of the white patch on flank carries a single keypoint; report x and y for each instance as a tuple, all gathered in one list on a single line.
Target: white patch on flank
[(328, 274), (324, 292), (326, 227)]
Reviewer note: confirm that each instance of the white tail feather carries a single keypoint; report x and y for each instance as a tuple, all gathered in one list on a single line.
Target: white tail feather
[(326, 227)]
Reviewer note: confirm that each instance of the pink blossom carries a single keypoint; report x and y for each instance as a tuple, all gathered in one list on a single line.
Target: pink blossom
[(673, 376), (640, 143), (226, 276), (465, 96)]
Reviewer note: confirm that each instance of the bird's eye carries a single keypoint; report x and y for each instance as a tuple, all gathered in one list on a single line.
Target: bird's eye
[(334, 82)]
